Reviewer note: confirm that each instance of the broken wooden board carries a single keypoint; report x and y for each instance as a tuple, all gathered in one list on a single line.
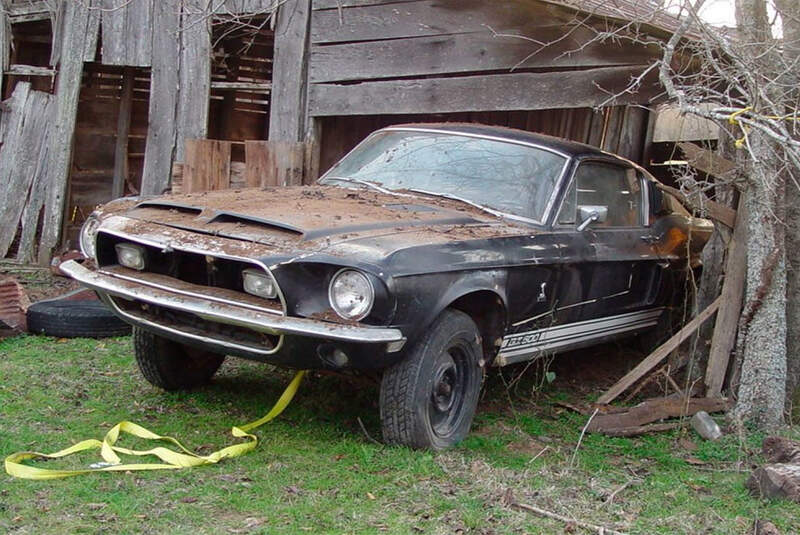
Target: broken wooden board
[(653, 410), (661, 352), (207, 165), (724, 338), (25, 122), (707, 161)]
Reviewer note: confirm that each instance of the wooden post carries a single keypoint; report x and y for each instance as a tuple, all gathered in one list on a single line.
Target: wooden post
[(5, 41), (164, 83), (77, 32), (289, 72), (652, 360), (123, 129), (724, 337)]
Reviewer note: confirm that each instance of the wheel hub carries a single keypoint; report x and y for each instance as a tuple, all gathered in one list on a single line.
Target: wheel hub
[(444, 386)]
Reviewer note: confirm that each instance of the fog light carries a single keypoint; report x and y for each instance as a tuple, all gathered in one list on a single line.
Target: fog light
[(130, 255), (258, 283)]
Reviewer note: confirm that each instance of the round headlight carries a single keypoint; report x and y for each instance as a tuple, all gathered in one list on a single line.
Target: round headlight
[(88, 235), (351, 294)]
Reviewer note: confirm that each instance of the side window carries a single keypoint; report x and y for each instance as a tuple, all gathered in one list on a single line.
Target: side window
[(568, 207), (618, 188)]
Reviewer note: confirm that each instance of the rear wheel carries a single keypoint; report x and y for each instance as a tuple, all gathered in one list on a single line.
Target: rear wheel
[(428, 400), (170, 365)]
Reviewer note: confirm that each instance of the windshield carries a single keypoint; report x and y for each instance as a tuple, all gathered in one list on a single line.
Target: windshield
[(504, 176)]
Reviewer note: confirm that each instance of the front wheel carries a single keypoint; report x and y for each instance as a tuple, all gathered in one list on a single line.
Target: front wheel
[(428, 399), (170, 365)]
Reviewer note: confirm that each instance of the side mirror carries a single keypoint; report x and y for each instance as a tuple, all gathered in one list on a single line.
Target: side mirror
[(588, 214)]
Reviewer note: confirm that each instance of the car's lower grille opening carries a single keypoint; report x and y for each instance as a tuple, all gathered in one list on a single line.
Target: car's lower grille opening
[(192, 324)]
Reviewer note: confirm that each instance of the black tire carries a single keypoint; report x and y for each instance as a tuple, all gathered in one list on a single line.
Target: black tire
[(75, 319), (170, 365), (428, 400)]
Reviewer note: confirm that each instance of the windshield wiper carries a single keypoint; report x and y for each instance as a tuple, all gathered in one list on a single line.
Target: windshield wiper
[(367, 183), (486, 209)]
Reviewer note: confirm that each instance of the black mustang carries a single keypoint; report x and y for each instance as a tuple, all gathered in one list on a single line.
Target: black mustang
[(428, 253)]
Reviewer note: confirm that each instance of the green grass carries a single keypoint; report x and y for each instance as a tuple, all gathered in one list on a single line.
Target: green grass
[(314, 470)]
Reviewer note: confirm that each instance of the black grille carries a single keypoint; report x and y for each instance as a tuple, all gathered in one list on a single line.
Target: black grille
[(194, 268)]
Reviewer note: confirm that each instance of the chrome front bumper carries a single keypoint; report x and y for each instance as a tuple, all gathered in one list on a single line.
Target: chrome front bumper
[(230, 313)]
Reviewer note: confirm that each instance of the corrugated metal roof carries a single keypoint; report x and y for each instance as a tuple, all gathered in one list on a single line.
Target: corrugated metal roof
[(13, 304)]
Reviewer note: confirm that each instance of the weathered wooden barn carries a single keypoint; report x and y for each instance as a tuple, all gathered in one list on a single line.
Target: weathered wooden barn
[(104, 98)]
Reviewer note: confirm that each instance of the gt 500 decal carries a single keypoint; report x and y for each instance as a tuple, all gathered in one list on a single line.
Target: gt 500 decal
[(520, 346), (516, 340)]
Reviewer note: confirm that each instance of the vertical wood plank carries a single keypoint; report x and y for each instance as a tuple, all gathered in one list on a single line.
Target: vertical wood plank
[(33, 207), (127, 37), (207, 165), (313, 151), (289, 161), (724, 337), (195, 73), (123, 129), (5, 40), (260, 170), (73, 43), (161, 132), (290, 68)]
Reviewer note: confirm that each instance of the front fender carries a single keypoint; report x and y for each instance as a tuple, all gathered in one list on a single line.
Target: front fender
[(424, 297)]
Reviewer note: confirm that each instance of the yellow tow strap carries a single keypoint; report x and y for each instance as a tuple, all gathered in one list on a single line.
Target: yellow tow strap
[(172, 459)]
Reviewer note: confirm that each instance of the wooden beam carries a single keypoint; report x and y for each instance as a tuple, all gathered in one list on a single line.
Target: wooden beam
[(29, 70), (123, 130), (254, 87), (653, 410), (164, 82), (77, 33), (195, 74), (469, 53), (497, 92), (717, 211), (290, 68), (652, 360), (724, 338)]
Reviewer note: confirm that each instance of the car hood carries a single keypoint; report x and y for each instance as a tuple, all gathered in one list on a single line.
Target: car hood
[(322, 217)]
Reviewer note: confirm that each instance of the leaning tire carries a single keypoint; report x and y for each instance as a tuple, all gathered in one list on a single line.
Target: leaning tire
[(428, 399), (75, 319), (170, 365)]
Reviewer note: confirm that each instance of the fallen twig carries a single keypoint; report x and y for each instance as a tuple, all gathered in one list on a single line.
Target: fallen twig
[(580, 439), (364, 429), (622, 487), (555, 516)]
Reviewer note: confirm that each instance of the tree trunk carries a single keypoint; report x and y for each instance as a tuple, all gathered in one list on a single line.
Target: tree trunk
[(762, 330), (790, 17)]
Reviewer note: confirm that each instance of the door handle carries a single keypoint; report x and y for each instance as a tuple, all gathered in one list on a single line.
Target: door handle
[(649, 238)]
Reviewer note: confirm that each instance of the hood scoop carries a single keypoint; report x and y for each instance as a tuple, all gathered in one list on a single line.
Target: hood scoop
[(171, 206), (233, 217)]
